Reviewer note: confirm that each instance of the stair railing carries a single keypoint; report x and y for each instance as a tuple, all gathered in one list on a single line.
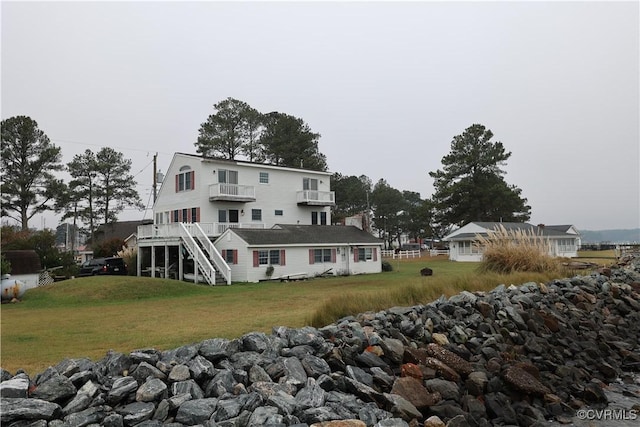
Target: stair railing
[(199, 257)]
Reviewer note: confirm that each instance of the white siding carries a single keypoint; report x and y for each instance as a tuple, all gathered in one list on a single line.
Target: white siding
[(296, 260), (280, 193), (229, 240), (456, 255)]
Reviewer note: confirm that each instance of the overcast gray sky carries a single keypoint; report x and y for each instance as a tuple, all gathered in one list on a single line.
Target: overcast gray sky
[(386, 84)]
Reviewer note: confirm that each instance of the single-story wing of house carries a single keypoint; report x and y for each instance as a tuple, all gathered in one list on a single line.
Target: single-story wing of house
[(563, 240), (299, 251)]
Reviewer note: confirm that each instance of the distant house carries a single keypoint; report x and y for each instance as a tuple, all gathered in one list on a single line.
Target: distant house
[(122, 230), (563, 240), (299, 251)]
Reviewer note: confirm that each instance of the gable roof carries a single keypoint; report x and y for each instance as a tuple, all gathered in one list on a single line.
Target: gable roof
[(282, 234), (564, 227), (547, 231)]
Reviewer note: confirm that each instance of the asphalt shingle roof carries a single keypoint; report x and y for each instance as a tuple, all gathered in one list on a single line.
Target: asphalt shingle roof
[(282, 234), (549, 231)]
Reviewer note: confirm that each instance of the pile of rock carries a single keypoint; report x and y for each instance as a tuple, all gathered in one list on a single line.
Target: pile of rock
[(516, 355)]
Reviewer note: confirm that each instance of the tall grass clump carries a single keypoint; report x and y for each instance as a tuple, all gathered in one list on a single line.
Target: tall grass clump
[(130, 257), (508, 251)]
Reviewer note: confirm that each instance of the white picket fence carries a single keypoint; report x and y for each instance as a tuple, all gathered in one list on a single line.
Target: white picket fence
[(436, 252), (390, 253)]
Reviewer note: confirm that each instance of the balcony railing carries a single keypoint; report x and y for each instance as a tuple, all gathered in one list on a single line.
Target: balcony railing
[(232, 193), (170, 231), (316, 198)]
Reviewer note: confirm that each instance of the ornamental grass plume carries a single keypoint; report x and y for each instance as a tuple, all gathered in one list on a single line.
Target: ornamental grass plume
[(130, 257), (508, 251)]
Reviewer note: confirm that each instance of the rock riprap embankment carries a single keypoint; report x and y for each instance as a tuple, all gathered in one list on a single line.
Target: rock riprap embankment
[(518, 355)]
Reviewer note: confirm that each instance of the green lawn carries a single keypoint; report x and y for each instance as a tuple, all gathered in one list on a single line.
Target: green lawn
[(85, 317)]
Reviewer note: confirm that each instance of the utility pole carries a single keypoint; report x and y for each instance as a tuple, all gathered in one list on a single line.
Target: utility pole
[(155, 176)]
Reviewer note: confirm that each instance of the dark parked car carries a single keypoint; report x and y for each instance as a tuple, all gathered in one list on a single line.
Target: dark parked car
[(96, 266)]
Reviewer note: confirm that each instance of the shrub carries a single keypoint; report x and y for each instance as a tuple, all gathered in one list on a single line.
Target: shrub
[(5, 265), (386, 266), (508, 251)]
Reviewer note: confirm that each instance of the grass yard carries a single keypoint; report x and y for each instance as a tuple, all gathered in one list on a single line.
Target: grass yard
[(86, 317)]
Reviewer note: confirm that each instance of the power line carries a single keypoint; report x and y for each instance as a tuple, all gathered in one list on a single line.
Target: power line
[(104, 146)]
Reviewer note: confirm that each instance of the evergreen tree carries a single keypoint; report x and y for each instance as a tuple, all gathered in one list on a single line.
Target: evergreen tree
[(471, 187), (232, 130), (289, 141), (101, 188), (27, 161)]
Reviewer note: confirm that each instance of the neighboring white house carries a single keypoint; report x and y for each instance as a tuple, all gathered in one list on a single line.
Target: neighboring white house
[(299, 251), (563, 240), (201, 198)]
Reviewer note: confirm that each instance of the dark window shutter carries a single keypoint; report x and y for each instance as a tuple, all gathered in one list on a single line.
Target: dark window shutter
[(311, 257), (282, 258), (256, 259), (333, 255)]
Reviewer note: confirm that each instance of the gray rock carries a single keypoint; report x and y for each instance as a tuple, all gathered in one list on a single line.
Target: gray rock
[(145, 370), (310, 396), (227, 409), (214, 349), (115, 364), (401, 407), (136, 412), (359, 374), (113, 420), (149, 355), (258, 374), (179, 373), (201, 369), (122, 387), (294, 371), (93, 415), (14, 409), (55, 389), (315, 366), (152, 390), (264, 416), (285, 403), (189, 386), (255, 341), (196, 411), (16, 387), (82, 399)]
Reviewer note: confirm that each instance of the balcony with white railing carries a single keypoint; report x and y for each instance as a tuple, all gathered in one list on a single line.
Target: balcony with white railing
[(316, 198), (172, 231), (232, 193)]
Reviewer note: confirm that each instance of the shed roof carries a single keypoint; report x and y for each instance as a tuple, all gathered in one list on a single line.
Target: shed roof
[(282, 234)]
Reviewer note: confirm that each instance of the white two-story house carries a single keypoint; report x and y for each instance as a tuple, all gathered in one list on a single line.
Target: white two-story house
[(200, 198)]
